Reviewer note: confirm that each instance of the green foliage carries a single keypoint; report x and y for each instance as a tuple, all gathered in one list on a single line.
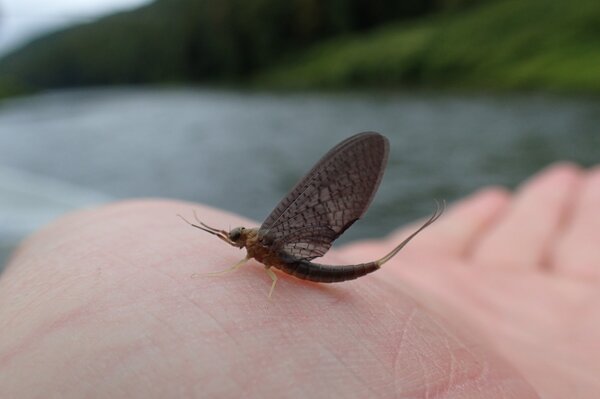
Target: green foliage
[(510, 44), (497, 44), (183, 40), (9, 88)]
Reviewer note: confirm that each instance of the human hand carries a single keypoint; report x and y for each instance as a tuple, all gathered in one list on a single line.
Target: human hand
[(525, 270), (102, 304)]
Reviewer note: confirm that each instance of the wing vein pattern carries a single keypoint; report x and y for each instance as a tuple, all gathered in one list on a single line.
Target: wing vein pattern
[(334, 194)]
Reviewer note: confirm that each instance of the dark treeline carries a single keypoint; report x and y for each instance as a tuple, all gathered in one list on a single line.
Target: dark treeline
[(193, 40)]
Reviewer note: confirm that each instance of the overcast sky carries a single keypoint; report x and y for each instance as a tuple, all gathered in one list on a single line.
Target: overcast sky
[(21, 20)]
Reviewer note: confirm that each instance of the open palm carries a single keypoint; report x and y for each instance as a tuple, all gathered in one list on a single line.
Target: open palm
[(525, 270), (499, 295)]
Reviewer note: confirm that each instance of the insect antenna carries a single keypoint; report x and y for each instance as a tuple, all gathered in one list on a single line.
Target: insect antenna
[(222, 234)]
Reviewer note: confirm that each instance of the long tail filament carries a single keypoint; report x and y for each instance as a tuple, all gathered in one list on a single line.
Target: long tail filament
[(440, 208)]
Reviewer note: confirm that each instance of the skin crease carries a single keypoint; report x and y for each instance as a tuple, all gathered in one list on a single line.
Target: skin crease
[(498, 299)]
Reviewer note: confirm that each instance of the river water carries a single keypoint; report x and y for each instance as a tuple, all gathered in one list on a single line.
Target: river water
[(242, 151)]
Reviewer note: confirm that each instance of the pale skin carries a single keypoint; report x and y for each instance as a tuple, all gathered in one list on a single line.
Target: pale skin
[(500, 298)]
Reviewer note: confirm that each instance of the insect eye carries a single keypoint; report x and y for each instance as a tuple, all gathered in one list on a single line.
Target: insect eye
[(235, 234)]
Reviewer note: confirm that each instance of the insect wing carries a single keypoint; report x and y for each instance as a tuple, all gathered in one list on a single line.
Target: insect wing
[(333, 195)]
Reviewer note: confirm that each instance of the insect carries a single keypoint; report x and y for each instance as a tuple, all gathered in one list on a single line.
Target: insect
[(328, 200)]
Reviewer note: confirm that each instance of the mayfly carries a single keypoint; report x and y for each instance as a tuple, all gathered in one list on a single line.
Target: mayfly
[(328, 200)]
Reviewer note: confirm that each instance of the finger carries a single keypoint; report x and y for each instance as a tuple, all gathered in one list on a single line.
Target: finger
[(521, 239), (459, 227), (578, 253)]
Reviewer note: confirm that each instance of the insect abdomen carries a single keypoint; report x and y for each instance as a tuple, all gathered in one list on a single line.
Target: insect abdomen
[(307, 270)]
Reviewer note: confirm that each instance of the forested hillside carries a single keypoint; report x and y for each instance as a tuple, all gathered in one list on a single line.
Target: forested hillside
[(498, 44)]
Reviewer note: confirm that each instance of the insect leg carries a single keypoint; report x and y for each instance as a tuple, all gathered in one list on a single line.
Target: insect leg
[(231, 269), (273, 276)]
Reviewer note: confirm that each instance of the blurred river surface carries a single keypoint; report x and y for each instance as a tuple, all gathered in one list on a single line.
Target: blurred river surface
[(242, 151)]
